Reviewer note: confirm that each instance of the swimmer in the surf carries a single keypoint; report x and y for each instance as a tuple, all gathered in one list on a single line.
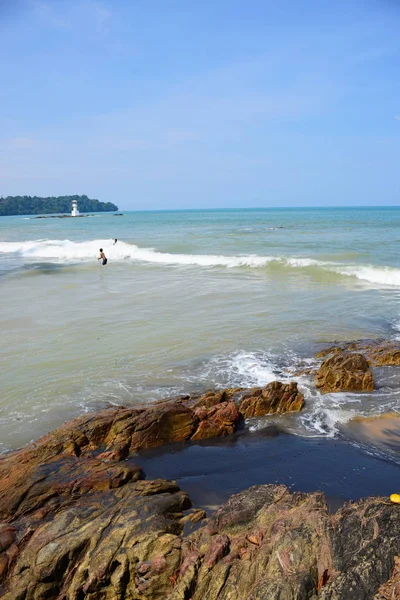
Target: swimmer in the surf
[(115, 241), (102, 257)]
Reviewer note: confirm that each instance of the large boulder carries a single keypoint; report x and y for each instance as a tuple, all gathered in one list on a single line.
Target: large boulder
[(268, 544), (258, 545), (276, 397), (345, 372)]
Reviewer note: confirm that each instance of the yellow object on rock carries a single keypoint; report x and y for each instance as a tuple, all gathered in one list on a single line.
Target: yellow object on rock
[(395, 498)]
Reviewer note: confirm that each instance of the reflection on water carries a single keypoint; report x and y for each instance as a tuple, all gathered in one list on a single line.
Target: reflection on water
[(380, 432)]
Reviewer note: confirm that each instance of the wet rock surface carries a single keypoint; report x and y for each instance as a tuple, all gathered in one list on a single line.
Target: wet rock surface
[(79, 521), (128, 539), (116, 432), (347, 365), (379, 352), (276, 397), (345, 372)]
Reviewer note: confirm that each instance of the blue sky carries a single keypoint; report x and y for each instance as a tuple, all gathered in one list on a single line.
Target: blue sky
[(159, 104)]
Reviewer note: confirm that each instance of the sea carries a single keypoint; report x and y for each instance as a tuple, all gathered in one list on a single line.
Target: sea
[(190, 301)]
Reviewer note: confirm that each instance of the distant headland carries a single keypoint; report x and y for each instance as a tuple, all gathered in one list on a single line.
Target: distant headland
[(34, 205)]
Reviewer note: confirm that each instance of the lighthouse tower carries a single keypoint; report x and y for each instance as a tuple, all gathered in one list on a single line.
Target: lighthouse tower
[(74, 211)]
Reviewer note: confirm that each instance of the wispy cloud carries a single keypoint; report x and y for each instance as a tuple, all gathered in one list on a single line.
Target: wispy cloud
[(397, 117)]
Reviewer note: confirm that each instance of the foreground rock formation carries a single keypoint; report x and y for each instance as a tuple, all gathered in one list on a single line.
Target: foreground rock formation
[(79, 521), (122, 537)]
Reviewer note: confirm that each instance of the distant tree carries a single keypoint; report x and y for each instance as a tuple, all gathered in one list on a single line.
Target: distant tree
[(34, 205)]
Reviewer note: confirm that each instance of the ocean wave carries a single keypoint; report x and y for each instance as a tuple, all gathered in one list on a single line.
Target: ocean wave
[(61, 250), (323, 415)]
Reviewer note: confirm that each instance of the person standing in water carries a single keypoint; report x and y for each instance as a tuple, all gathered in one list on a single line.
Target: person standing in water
[(102, 257)]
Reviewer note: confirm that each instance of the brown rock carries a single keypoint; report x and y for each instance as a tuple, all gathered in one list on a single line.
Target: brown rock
[(27, 484), (128, 542), (378, 352), (255, 546), (111, 544), (217, 421), (153, 426), (211, 398), (84, 455), (345, 371), (276, 397), (384, 354), (7, 536), (194, 516)]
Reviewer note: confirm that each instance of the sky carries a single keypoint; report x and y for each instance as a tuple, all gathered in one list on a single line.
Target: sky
[(170, 104)]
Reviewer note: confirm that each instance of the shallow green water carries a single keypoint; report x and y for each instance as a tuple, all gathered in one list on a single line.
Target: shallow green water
[(188, 300)]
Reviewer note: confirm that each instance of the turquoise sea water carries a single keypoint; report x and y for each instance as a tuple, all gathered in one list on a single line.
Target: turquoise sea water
[(190, 300)]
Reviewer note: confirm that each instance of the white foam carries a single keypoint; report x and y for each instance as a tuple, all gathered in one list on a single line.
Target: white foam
[(65, 249), (303, 262), (252, 369), (326, 421), (85, 251), (241, 369), (380, 275)]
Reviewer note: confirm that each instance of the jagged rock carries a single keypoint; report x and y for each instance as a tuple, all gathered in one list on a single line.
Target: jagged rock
[(116, 432), (28, 483), (345, 372), (257, 545), (84, 455), (276, 397), (391, 589), (100, 542), (121, 543), (268, 544), (217, 421), (212, 398), (365, 542), (379, 353)]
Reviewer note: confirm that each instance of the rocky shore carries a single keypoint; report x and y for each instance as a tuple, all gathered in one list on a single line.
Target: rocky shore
[(79, 520)]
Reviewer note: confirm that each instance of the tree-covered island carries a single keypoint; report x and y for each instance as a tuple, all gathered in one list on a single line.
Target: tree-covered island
[(34, 205)]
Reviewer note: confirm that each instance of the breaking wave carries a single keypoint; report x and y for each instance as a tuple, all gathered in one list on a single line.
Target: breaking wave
[(66, 250)]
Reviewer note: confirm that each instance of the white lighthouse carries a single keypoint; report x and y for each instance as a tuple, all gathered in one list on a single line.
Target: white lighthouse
[(74, 211)]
